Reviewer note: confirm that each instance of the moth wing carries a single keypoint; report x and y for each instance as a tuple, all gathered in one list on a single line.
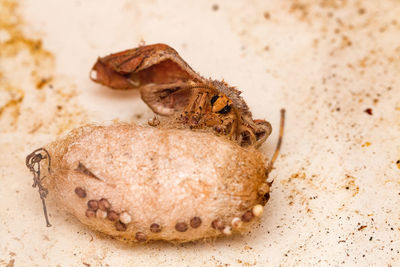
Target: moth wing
[(156, 70)]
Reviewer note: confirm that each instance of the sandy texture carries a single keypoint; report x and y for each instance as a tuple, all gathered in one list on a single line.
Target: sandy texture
[(334, 65)]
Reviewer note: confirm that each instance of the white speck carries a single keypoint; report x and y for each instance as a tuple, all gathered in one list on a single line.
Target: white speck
[(101, 214), (257, 210), (93, 75), (134, 83), (237, 222), (227, 230), (125, 218)]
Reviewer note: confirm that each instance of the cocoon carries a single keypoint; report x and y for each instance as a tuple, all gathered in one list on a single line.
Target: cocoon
[(140, 183)]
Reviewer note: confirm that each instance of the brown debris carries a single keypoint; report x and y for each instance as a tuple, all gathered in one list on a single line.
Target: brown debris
[(368, 111), (361, 227), (42, 82)]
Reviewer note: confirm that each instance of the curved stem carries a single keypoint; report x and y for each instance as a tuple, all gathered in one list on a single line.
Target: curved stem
[(33, 160)]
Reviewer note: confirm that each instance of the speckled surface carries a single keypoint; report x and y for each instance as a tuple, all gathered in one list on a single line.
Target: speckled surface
[(334, 65)]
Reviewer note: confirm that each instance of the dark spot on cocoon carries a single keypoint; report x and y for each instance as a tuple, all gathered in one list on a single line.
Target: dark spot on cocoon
[(217, 224), (195, 222), (104, 204), (155, 228), (120, 226), (93, 204), (247, 216), (141, 237), (90, 213), (112, 216), (181, 227), (80, 192)]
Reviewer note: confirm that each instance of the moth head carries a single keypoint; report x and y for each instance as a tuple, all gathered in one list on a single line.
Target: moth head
[(221, 104), (228, 100)]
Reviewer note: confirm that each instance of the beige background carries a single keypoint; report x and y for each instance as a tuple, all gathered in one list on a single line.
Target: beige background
[(336, 196)]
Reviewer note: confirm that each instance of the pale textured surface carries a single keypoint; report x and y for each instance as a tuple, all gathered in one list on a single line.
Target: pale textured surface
[(158, 176), (336, 194)]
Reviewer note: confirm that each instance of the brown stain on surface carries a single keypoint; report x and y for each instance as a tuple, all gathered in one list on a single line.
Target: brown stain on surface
[(12, 105), (351, 185), (11, 263), (32, 98)]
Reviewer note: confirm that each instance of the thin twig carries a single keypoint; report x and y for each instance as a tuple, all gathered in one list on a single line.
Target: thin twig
[(33, 160)]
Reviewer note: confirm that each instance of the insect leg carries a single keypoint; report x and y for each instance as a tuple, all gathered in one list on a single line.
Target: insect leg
[(201, 105)]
